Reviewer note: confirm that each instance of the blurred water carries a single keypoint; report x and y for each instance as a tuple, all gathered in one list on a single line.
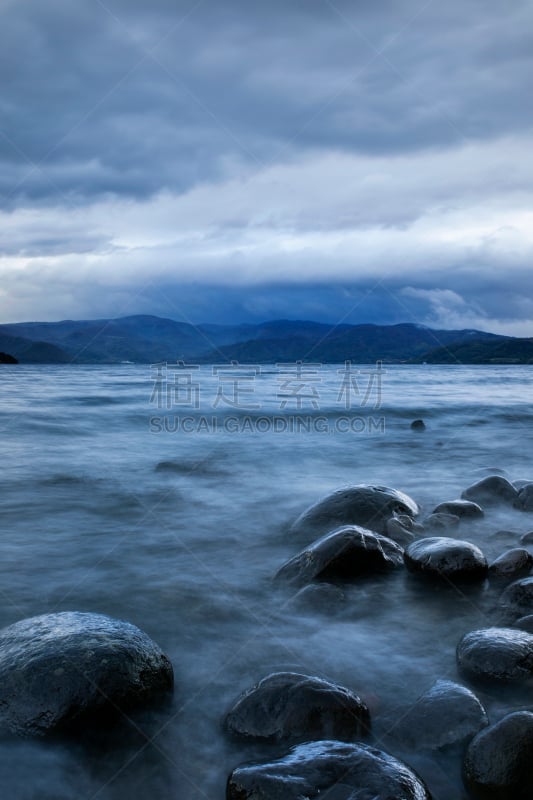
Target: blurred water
[(108, 505)]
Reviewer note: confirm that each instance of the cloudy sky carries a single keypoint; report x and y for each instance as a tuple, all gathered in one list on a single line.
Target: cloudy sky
[(240, 160)]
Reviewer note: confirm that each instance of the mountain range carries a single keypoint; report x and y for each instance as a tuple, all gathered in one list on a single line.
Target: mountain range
[(151, 339)]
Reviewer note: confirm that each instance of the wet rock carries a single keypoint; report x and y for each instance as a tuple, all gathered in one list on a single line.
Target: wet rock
[(342, 555), (517, 599), (524, 623), (527, 538), (418, 425), (512, 564), (446, 714), (398, 532), (459, 508), (288, 706), (524, 501), (328, 769), (368, 506), (496, 654), (521, 482), (498, 761), (323, 598), (61, 671), (493, 489), (447, 558), (441, 521)]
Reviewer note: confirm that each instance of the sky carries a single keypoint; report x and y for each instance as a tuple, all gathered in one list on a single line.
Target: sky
[(243, 160)]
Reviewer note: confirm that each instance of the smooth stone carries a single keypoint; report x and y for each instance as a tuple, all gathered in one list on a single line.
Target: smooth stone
[(446, 558), (418, 425), (323, 598), (459, 508), (496, 654), (441, 521), (399, 533), (328, 769), (512, 564), (521, 482), (289, 706), (498, 761), (493, 489), (343, 554), (517, 599), (524, 623), (365, 505), (446, 714), (62, 671), (527, 538), (524, 501)]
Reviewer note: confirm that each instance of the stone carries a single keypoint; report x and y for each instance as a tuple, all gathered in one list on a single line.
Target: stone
[(512, 564), (342, 555), (441, 521), (524, 623), (497, 764), (459, 508), (61, 671), (418, 425), (492, 489), (328, 769), (452, 559), (524, 501), (287, 706), (496, 655), (517, 599), (364, 505)]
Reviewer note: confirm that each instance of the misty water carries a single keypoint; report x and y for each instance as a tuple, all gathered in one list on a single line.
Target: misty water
[(109, 505)]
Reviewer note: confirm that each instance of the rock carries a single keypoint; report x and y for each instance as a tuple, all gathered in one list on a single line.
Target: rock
[(399, 533), (527, 538), (524, 501), (446, 714), (323, 598), (61, 671), (343, 554), (512, 564), (496, 654), (498, 761), (288, 706), (418, 425), (517, 599), (521, 482), (441, 521), (368, 506), (447, 558), (524, 623), (493, 489), (459, 508), (328, 769), (5, 358)]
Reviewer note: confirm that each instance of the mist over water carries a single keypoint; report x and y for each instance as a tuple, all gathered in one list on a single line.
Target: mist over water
[(181, 532)]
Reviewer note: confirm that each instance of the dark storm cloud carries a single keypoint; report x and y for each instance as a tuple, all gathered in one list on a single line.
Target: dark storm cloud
[(128, 98)]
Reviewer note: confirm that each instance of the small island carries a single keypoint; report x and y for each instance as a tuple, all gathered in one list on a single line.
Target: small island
[(5, 358)]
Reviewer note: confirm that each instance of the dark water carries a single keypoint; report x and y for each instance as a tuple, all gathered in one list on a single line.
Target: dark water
[(106, 509)]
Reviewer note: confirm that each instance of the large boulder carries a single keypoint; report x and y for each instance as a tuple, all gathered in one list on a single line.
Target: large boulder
[(368, 506), (496, 655), (62, 671), (517, 599), (328, 769), (459, 508), (446, 714), (452, 559), (490, 490), (342, 555), (498, 761), (289, 706)]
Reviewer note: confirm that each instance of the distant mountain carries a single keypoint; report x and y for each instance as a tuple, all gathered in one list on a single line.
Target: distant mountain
[(502, 351), (150, 339)]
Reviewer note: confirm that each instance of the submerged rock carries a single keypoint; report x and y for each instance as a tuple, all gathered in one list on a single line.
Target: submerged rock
[(328, 769), (368, 506), (527, 538), (418, 425), (459, 508), (492, 489), (446, 714), (399, 531), (496, 654), (441, 521), (447, 558), (321, 598), (517, 599), (512, 564), (524, 501), (289, 706), (61, 671), (524, 623), (498, 761), (343, 554)]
